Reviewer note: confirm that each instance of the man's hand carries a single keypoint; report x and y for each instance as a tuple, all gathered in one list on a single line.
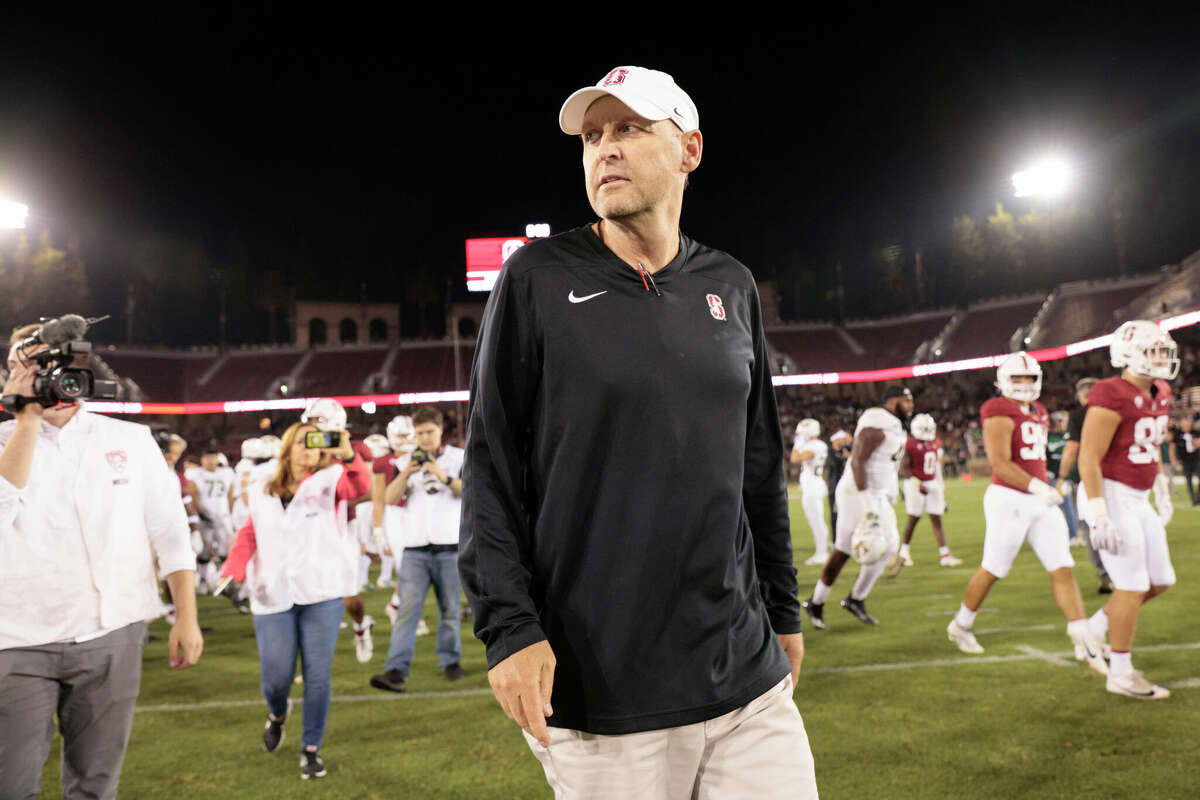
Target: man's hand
[(1105, 535), (432, 466), (793, 648), (184, 644), (20, 383), (523, 683)]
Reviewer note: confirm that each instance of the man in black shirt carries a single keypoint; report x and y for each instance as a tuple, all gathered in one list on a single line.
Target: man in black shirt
[(1068, 477), (839, 453), (625, 538), (1185, 454)]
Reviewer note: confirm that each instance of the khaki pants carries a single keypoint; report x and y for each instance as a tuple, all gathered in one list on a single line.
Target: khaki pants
[(758, 751)]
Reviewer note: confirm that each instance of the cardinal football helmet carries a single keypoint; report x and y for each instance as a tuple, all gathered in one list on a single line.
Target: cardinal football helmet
[(326, 413), (923, 427), (378, 444), (402, 436), (1019, 365), (1145, 349)]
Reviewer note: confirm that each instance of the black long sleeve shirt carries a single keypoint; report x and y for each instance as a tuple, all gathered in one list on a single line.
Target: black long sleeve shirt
[(624, 493)]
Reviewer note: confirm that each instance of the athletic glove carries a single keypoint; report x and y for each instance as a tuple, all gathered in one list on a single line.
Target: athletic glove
[(377, 533), (1162, 499), (1105, 535), (1045, 491)]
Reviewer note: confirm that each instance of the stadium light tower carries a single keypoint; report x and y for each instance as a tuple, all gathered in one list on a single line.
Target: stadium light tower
[(1050, 177), (12, 214)]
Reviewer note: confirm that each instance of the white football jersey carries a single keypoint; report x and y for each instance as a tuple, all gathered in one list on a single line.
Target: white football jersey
[(213, 488), (813, 468), (884, 462)]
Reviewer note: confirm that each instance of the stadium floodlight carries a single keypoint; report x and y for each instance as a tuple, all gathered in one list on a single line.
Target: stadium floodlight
[(12, 214), (1050, 177)]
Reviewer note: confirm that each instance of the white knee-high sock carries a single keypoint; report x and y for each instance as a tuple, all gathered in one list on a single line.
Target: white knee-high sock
[(820, 593), (386, 566), (867, 577), (1098, 623), (364, 562)]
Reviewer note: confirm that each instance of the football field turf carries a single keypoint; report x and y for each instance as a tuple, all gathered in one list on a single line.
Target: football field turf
[(894, 711)]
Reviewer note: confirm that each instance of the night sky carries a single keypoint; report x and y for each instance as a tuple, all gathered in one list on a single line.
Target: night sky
[(366, 148)]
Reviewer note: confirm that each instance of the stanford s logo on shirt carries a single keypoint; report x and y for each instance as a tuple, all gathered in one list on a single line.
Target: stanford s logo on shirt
[(715, 306), (117, 460)]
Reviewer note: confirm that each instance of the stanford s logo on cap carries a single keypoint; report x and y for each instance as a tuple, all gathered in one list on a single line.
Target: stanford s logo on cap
[(615, 78), (715, 306)]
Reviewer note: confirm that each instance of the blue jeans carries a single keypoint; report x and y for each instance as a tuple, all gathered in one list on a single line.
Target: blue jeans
[(1068, 510), (418, 570), (312, 631)]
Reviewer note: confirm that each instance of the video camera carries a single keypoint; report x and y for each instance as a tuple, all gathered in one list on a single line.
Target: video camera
[(56, 380)]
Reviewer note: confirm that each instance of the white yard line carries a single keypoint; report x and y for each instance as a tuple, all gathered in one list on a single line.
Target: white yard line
[(1049, 658), (1016, 630), (953, 611), (1060, 658)]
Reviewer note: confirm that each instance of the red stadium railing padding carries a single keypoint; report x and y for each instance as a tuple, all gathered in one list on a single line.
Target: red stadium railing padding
[(811, 379)]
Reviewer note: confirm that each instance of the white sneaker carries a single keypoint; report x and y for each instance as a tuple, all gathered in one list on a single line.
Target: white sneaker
[(393, 610), (815, 561), (949, 560), (963, 637), (1081, 652), (1132, 684), (385, 583), (422, 628), (906, 557), (1076, 541), (1092, 651), (364, 645)]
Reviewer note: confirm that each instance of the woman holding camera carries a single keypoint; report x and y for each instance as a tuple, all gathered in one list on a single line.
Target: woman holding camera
[(298, 559)]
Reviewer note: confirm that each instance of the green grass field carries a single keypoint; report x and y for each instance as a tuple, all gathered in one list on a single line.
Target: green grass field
[(892, 712)]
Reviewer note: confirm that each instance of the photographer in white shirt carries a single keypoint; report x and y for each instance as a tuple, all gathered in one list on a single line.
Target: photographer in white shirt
[(87, 506)]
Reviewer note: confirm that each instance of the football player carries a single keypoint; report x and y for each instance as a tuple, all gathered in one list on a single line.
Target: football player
[(1126, 423), (215, 484), (865, 494), (810, 453), (1020, 505), (924, 492)]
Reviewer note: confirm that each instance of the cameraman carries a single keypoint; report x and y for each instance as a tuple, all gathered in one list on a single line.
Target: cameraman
[(429, 485), (85, 509)]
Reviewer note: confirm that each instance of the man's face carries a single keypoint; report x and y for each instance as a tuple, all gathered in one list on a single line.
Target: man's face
[(174, 451), (429, 437), (630, 164), (1082, 395), (209, 461)]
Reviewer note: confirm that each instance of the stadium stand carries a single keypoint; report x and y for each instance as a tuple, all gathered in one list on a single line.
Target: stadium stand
[(987, 328), (429, 366), (811, 348), (894, 342), (1083, 308), (342, 370), (246, 375), (158, 375)]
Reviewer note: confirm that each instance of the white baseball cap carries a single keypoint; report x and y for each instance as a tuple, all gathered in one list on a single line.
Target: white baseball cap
[(650, 93)]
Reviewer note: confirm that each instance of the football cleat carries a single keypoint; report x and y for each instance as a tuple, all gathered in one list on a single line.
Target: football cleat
[(1133, 684), (364, 646), (963, 637), (816, 613), (385, 583), (1092, 650), (859, 609), (422, 628), (1081, 652), (815, 561), (949, 560)]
